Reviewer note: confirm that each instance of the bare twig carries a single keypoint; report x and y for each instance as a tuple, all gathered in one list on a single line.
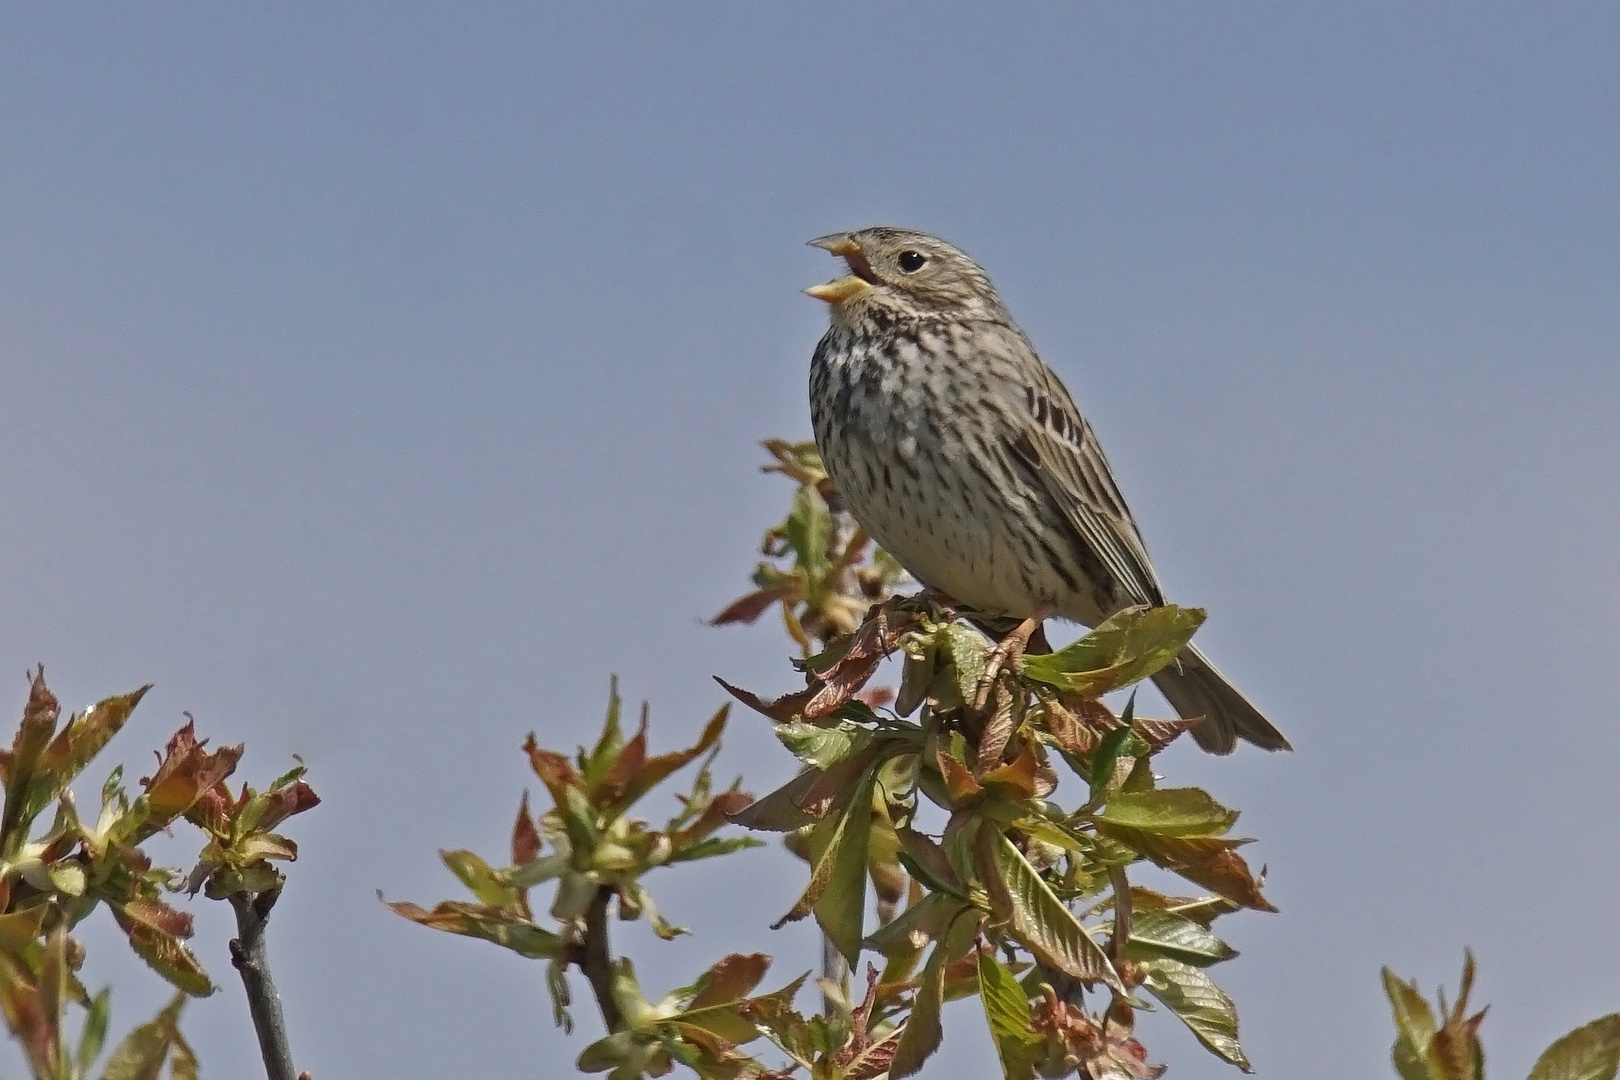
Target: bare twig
[(595, 958), (250, 957)]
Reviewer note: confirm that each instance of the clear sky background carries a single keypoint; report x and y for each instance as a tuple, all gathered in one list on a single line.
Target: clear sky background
[(379, 379)]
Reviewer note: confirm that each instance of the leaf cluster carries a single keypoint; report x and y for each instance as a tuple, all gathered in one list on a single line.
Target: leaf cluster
[(52, 879), (1442, 1043), (589, 847), (820, 569), (1016, 881)]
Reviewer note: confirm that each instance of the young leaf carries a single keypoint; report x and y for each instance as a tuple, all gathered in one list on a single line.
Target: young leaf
[(1007, 1011), (821, 747), (166, 955), (1170, 812), (729, 980), (1202, 1006), (501, 927), (1591, 1052), (1104, 773), (1125, 648), (841, 909), (1210, 861), (80, 740), (94, 1034), (1163, 933), (1414, 1028), (141, 1054), (478, 877), (1034, 915), (922, 1032)]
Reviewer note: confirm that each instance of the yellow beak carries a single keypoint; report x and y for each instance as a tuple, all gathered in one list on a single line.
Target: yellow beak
[(839, 244), (836, 292)]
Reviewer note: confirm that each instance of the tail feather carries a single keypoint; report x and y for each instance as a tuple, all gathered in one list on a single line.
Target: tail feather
[(1195, 687)]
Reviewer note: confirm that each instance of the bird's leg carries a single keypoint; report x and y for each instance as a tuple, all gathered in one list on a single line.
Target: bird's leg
[(1009, 651)]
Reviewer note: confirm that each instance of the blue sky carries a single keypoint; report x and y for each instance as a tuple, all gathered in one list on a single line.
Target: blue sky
[(379, 380)]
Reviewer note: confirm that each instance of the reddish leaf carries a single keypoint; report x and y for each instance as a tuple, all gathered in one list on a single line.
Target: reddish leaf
[(959, 781), (730, 980), (184, 773), (166, 955), (1210, 861), (553, 769), (780, 709), (655, 769), (283, 803), (876, 697), (714, 815), (1160, 733), (750, 607), (840, 684), (1017, 777), (834, 787), (497, 925), (525, 835), (625, 768), (158, 915)]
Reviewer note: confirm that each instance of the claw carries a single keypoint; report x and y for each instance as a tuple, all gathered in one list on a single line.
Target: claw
[(1010, 651)]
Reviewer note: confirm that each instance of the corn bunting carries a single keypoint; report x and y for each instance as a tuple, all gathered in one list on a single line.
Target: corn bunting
[(964, 456)]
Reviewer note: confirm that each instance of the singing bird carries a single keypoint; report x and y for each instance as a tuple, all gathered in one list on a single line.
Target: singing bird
[(964, 456)]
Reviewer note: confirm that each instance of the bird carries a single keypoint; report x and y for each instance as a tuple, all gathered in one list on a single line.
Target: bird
[(963, 455)]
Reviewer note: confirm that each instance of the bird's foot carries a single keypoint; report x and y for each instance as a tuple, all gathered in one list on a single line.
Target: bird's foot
[(1008, 653)]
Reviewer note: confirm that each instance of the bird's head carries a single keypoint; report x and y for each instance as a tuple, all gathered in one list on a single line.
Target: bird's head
[(903, 273)]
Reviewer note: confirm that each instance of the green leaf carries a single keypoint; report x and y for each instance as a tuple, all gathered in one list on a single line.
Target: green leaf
[(601, 758), (1108, 752), (1163, 933), (503, 928), (966, 648), (808, 529), (922, 1032), (1170, 812), (842, 908), (606, 1052), (826, 838), (1204, 1007), (926, 861), (476, 874), (1591, 1052), (821, 747), (1126, 648), (141, 1054), (1414, 1028), (94, 1034), (68, 877), (1034, 915), (19, 929), (907, 934), (1007, 1011), (166, 955), (79, 741), (916, 677)]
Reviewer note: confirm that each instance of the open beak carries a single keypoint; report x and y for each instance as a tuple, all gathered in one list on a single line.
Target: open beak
[(860, 277)]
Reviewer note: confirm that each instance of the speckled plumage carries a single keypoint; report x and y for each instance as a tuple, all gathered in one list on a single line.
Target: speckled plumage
[(965, 457)]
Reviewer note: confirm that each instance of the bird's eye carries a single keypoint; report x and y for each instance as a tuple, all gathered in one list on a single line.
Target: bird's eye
[(912, 261)]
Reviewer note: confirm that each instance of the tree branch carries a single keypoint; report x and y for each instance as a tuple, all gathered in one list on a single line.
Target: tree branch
[(595, 957), (250, 957)]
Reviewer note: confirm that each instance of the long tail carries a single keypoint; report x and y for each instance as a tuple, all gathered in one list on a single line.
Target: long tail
[(1195, 687)]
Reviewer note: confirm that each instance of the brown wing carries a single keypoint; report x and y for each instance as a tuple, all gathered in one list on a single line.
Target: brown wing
[(1061, 449)]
